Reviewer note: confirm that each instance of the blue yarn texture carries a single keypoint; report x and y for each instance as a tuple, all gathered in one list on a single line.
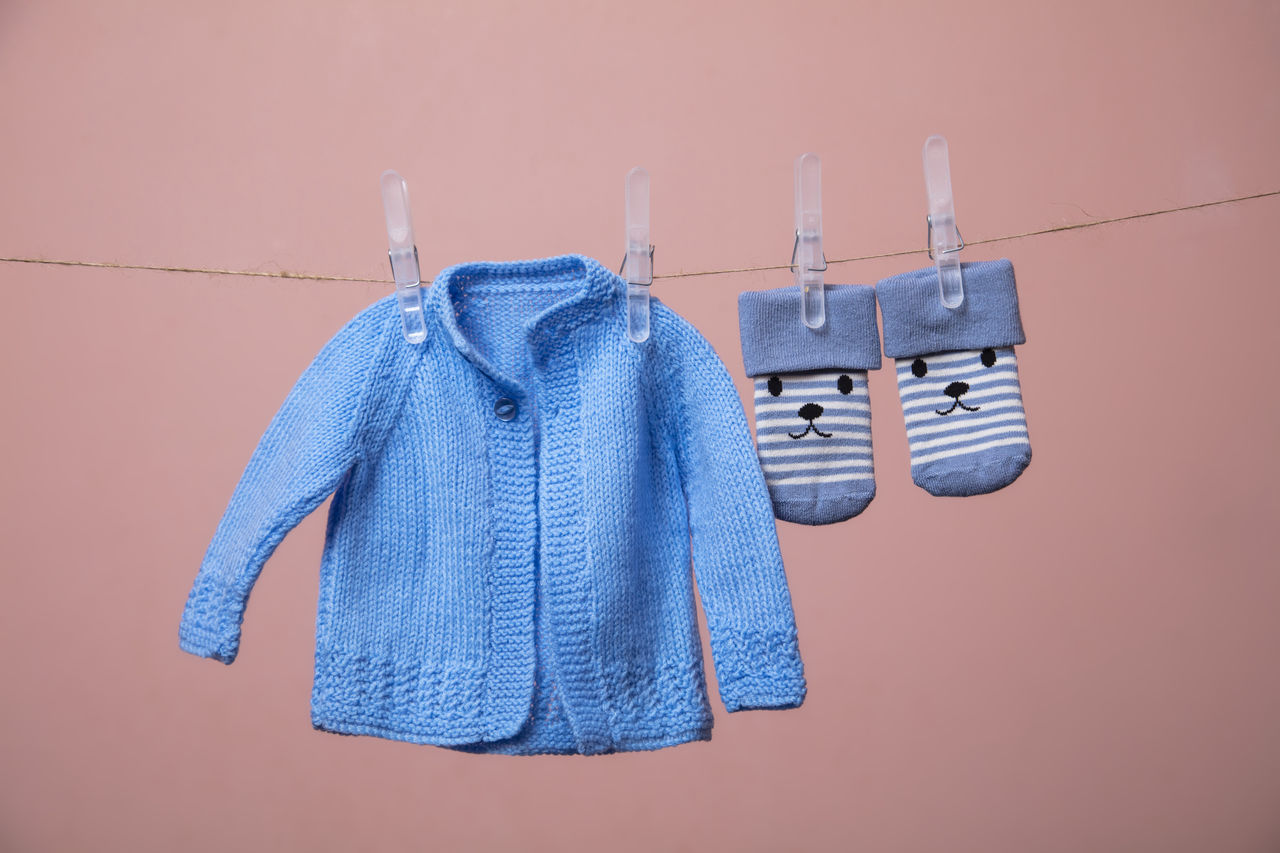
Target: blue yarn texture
[(516, 504)]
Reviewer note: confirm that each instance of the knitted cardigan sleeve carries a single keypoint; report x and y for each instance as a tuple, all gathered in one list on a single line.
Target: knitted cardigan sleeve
[(309, 445), (736, 559)]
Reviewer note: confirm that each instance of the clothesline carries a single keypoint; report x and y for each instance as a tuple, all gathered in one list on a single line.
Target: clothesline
[(1076, 226)]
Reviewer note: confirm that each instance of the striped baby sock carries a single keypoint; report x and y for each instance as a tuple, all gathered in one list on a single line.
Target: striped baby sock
[(812, 412), (958, 378)]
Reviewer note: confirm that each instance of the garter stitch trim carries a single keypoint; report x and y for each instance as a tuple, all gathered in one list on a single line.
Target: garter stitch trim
[(516, 504)]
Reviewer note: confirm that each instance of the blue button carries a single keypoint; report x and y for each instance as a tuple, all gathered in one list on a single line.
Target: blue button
[(505, 408)]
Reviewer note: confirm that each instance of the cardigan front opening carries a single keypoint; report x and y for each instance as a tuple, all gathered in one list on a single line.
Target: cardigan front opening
[(517, 503)]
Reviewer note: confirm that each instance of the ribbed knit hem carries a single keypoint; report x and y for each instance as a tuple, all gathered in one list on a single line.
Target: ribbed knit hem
[(759, 669), (777, 690), (917, 323), (206, 643), (636, 744), (776, 340), (337, 725)]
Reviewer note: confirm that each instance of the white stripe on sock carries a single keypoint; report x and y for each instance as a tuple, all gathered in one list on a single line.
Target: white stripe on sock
[(973, 369), (932, 415), (977, 448), (946, 358), (793, 406), (792, 410), (965, 421), (825, 478), (824, 450), (784, 438), (937, 387), (809, 466), (965, 436), (798, 425), (791, 385), (974, 399)]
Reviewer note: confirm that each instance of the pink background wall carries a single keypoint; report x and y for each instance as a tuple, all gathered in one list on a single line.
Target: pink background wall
[(1086, 661)]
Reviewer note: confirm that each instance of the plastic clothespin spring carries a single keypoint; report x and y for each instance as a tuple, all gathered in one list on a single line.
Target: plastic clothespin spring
[(403, 254), (808, 262), (944, 238), (637, 265)]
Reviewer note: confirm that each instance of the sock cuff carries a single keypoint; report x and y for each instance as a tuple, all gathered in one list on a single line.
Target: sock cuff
[(917, 323), (776, 340)]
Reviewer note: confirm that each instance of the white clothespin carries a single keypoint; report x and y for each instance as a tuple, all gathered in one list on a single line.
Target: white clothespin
[(403, 253), (807, 259), (944, 237), (638, 262)]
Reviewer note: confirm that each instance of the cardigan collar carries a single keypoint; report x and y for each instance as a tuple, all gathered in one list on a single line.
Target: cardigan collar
[(598, 291)]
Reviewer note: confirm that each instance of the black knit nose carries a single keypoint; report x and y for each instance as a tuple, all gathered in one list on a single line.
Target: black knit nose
[(956, 389), (809, 411)]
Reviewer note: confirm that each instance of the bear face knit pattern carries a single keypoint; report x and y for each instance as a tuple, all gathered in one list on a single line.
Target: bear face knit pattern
[(516, 505)]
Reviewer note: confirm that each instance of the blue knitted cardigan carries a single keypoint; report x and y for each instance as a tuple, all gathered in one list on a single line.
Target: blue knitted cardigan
[(516, 504)]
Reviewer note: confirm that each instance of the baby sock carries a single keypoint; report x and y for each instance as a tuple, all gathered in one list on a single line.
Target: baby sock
[(812, 412), (958, 378)]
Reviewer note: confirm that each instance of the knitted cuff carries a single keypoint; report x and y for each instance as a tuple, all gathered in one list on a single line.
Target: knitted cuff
[(201, 641), (775, 340), (759, 669), (917, 323), (779, 690)]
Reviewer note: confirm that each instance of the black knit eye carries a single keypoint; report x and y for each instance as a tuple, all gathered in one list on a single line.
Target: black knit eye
[(844, 383), (775, 386), (988, 357), (919, 368)]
